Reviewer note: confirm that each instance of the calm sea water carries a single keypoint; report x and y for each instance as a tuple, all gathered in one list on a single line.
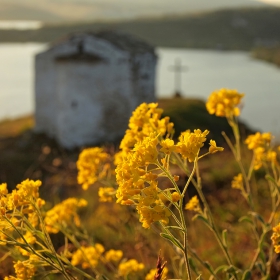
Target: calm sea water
[(203, 71)]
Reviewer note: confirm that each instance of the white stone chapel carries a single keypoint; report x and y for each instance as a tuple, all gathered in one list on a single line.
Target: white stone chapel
[(87, 85)]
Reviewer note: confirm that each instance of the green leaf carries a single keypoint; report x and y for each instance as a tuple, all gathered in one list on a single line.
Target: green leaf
[(39, 234), (192, 265), (231, 269), (246, 219), (173, 240), (174, 227), (51, 257), (224, 237), (220, 268), (269, 178), (209, 267), (258, 216), (200, 217), (246, 275), (199, 277)]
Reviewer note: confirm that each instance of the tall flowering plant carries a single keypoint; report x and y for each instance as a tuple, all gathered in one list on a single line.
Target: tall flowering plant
[(223, 103), (148, 156)]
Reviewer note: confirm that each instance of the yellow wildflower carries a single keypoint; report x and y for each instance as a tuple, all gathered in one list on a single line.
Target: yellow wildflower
[(276, 238), (175, 196), (149, 195), (131, 172), (259, 157), (90, 164), (271, 156), (3, 189), (113, 255), (257, 140), (224, 103), (106, 194), (193, 204), (190, 143), (152, 273), (213, 147), (167, 146), (144, 120), (149, 215), (260, 143), (130, 266), (87, 256), (28, 192), (237, 182), (24, 270), (64, 214), (118, 157), (145, 151)]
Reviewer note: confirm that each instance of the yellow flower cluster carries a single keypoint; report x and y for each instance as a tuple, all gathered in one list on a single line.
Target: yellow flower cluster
[(22, 200), (64, 214), (138, 186), (213, 147), (130, 266), (258, 139), (144, 120), (87, 256), (113, 255), (27, 194), (224, 103), (106, 194), (152, 273), (131, 174), (24, 271), (190, 143), (147, 145), (260, 143), (193, 205), (91, 165), (237, 182), (149, 215), (276, 238)]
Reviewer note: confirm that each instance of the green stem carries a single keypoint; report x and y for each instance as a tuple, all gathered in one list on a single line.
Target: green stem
[(212, 224), (182, 218), (35, 253), (48, 239)]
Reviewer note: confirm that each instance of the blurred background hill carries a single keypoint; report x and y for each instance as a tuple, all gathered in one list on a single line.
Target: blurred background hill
[(229, 29), (84, 10)]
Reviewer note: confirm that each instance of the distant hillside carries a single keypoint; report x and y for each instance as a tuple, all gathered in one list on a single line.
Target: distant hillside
[(20, 11), (85, 10), (239, 29)]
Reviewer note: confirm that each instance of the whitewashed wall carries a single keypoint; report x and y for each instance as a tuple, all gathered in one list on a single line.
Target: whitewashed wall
[(79, 102)]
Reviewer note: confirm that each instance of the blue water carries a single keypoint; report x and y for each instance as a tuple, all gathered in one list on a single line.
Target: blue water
[(204, 72)]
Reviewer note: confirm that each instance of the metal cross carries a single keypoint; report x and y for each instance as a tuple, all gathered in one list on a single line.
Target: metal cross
[(178, 68)]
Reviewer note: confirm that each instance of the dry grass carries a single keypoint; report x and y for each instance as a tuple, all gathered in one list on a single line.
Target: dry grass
[(14, 127)]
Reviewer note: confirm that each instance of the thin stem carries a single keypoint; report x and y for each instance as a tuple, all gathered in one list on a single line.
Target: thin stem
[(182, 218), (34, 252), (213, 227), (240, 164)]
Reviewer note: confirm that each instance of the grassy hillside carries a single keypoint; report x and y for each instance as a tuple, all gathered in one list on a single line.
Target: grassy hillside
[(226, 29)]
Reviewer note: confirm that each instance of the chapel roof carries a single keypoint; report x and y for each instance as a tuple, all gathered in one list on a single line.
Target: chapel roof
[(121, 40)]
